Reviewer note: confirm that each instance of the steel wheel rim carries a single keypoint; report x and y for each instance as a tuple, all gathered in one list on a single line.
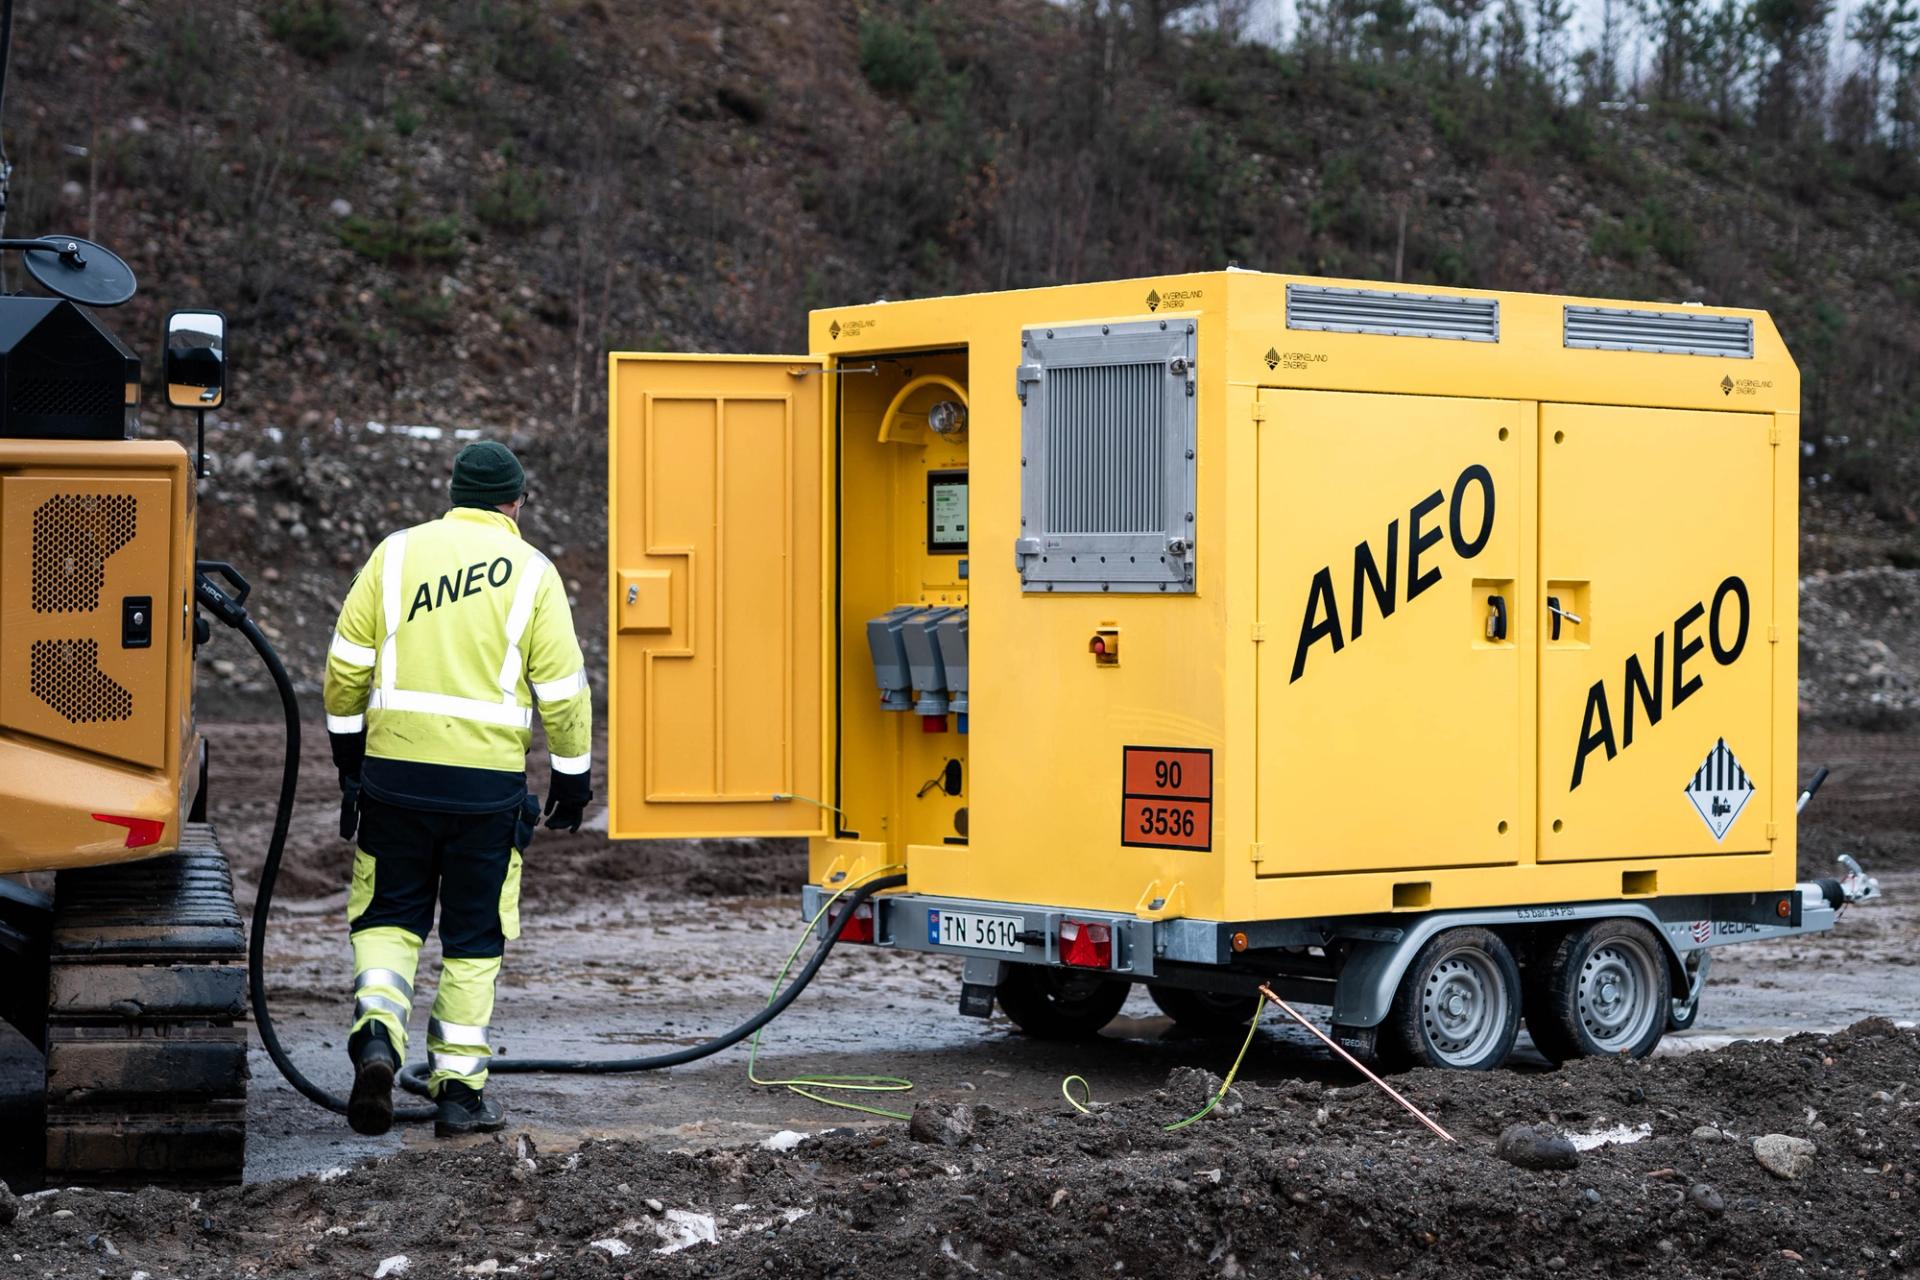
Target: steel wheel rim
[(1614, 997), (1463, 1006)]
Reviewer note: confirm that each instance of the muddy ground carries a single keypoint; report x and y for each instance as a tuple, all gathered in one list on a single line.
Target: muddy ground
[(1289, 1177), (632, 949)]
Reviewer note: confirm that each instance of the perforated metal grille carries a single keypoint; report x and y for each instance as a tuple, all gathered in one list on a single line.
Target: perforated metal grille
[(1678, 333), (67, 397), (67, 677), (1392, 314), (73, 534), (1106, 442)]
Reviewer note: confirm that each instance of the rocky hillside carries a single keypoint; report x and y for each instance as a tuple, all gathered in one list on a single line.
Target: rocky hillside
[(426, 219)]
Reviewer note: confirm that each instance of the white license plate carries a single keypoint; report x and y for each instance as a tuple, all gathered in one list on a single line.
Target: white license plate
[(967, 929)]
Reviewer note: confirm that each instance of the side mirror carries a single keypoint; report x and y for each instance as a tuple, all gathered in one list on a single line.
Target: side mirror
[(196, 365)]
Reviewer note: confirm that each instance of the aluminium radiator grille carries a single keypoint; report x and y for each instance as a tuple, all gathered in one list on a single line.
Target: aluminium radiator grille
[(1105, 447), (1683, 333), (1398, 315)]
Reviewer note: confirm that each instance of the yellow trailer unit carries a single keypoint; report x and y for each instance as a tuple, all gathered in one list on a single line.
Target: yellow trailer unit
[(1431, 653)]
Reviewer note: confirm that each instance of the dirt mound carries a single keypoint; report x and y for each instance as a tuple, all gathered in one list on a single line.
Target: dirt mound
[(1306, 1180), (1860, 648)]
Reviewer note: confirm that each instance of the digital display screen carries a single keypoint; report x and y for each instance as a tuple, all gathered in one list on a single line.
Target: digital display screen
[(946, 512)]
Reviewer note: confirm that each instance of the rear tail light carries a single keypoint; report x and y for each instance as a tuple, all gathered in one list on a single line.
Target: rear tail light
[(141, 832), (859, 925), (1086, 945)]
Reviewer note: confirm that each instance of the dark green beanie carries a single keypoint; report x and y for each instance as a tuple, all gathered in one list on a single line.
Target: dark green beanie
[(486, 474)]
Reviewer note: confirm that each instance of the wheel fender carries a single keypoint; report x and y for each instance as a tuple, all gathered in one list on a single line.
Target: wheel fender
[(1374, 967)]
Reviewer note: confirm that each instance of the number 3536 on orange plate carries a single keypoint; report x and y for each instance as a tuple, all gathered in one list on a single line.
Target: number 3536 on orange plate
[(1167, 798)]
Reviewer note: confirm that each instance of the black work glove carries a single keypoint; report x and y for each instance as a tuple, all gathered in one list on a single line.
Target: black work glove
[(349, 753), (349, 806), (567, 798)]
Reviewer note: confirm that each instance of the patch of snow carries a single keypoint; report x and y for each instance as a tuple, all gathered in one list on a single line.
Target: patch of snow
[(682, 1229), (1619, 1135), (395, 1266), (329, 1175), (615, 1248), (783, 1141)]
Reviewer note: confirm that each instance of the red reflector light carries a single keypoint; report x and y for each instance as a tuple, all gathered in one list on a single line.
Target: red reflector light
[(1086, 945), (141, 832), (859, 925), (933, 724)]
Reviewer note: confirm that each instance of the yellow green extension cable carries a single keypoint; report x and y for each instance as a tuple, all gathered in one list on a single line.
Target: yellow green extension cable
[(805, 1085)]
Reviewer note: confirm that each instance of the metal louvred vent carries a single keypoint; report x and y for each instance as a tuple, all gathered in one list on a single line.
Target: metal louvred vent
[(1396, 315), (1105, 442), (1674, 333), (1108, 478)]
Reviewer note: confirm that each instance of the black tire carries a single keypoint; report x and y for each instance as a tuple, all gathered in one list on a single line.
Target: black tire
[(1204, 1013), (1458, 1005), (1601, 988), (1059, 1004)]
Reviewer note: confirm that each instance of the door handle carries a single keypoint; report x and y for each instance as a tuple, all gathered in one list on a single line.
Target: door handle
[(1553, 607), (1496, 617)]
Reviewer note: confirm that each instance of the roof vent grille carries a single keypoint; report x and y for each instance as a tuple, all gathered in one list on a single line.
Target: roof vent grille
[(1673, 333), (1397, 315)]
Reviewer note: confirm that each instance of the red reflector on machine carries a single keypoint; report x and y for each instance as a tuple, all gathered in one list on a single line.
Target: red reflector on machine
[(859, 925), (141, 832), (933, 724), (1086, 945)]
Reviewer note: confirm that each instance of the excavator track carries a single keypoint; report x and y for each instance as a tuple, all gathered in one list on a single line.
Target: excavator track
[(146, 1025)]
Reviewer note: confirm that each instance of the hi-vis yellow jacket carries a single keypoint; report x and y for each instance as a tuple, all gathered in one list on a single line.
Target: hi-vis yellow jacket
[(451, 635)]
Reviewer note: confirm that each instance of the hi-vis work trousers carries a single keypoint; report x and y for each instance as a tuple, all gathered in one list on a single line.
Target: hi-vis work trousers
[(409, 861)]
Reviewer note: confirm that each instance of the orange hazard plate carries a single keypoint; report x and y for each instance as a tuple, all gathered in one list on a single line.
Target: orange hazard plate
[(1167, 798)]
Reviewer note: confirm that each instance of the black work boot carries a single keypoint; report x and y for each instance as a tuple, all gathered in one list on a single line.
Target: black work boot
[(370, 1109), (464, 1109)]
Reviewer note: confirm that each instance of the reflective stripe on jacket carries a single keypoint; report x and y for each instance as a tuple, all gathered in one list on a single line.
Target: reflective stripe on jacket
[(450, 636)]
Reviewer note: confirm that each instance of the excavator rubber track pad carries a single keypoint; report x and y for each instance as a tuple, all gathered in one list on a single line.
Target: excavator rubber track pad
[(146, 1030)]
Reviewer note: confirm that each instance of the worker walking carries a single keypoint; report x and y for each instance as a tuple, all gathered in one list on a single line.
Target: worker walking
[(450, 636)]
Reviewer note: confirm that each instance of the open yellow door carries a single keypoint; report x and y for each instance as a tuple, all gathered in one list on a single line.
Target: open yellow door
[(718, 609)]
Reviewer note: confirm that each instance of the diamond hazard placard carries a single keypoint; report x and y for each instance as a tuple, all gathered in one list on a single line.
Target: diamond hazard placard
[(1720, 789)]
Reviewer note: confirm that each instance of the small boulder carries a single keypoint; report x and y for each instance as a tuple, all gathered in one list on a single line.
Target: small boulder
[(9, 1206), (945, 1123), (1191, 1088), (1784, 1156), (1529, 1146), (1707, 1133), (1708, 1201)]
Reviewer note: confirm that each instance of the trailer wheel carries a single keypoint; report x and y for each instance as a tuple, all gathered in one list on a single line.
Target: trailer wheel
[(1059, 1004), (1602, 988), (1206, 1013), (1458, 1004)]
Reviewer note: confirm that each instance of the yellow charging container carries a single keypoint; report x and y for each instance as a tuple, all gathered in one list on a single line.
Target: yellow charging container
[(1284, 598)]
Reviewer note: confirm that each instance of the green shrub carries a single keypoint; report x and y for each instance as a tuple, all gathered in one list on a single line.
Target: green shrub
[(403, 238), (514, 202), (311, 28), (895, 57), (407, 119)]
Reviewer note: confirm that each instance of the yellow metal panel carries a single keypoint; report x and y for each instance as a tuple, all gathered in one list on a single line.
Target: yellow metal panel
[(716, 477), (1657, 532), (1456, 888), (78, 547), (1390, 720), (122, 752)]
